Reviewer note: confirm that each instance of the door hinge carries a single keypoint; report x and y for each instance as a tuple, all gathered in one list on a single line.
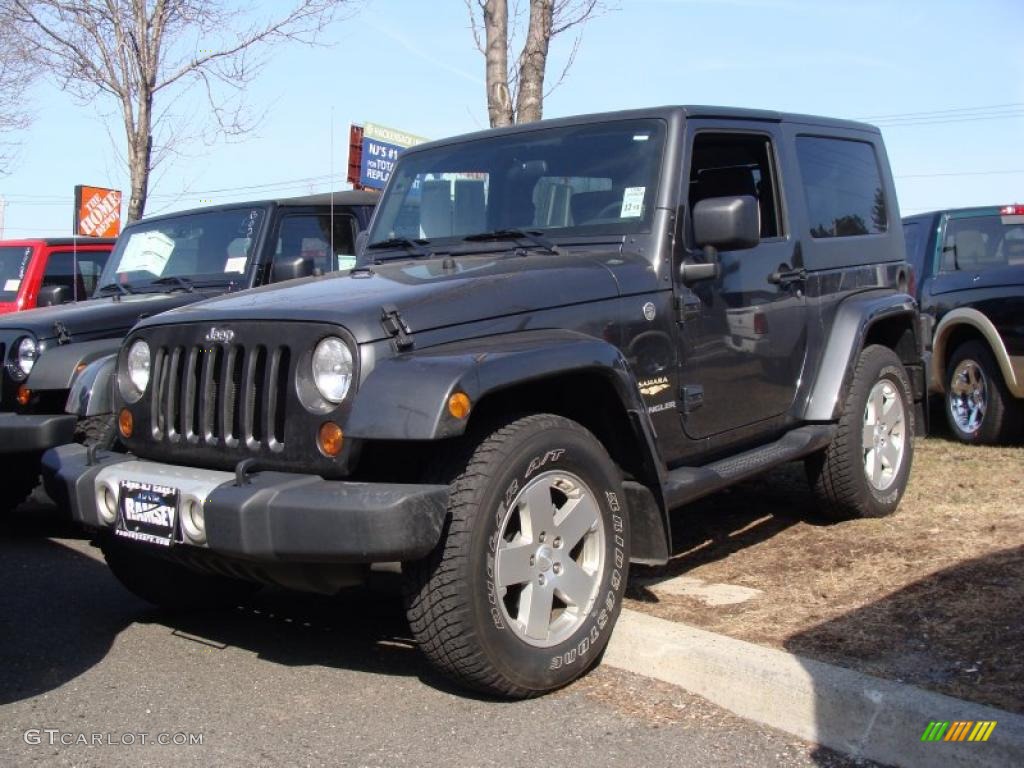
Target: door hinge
[(691, 396), (396, 328), (688, 307)]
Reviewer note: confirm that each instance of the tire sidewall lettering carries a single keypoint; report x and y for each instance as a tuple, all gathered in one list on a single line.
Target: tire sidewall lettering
[(590, 638)]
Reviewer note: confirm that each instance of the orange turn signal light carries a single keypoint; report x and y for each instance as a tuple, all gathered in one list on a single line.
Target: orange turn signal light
[(458, 405), (24, 395), (330, 439), (125, 423)]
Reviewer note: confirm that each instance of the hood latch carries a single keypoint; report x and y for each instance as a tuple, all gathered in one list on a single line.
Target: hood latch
[(62, 333), (396, 328)]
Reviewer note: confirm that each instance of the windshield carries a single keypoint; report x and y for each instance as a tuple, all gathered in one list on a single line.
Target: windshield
[(14, 261), (575, 180), (214, 247)]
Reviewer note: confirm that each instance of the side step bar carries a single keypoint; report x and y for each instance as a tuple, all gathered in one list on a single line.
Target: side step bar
[(687, 484)]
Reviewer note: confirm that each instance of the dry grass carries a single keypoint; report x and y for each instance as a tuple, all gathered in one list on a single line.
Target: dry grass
[(932, 595)]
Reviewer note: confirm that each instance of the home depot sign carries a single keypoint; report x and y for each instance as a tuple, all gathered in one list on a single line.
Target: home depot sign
[(97, 211)]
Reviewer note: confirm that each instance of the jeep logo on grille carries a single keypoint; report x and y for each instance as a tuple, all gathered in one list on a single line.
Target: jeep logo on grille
[(220, 335)]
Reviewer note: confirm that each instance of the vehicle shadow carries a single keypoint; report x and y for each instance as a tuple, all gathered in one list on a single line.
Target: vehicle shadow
[(958, 631), (60, 611), (362, 629), (731, 520)]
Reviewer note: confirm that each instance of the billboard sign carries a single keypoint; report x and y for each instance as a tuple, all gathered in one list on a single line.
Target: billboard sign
[(380, 148), (97, 211)]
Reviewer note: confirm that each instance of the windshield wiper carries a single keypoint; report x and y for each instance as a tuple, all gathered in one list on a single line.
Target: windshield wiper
[(416, 247), (180, 282), (530, 235), (122, 288)]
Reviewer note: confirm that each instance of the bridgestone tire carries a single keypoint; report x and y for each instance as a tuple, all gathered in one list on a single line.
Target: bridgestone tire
[(167, 584), (20, 477), (456, 609), (1001, 420), (837, 475)]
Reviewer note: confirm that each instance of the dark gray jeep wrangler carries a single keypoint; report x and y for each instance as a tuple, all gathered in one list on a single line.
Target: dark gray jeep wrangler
[(556, 334)]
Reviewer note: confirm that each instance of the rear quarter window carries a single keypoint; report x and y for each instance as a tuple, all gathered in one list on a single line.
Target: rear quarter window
[(842, 187)]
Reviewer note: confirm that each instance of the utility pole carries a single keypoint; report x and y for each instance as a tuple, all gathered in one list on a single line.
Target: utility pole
[(3, 210)]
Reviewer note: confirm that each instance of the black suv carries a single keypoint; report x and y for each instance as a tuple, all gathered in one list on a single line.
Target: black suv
[(557, 333), (969, 267), (158, 263)]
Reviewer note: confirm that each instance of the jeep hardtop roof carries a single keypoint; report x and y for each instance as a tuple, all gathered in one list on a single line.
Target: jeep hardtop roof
[(668, 113), (341, 198)]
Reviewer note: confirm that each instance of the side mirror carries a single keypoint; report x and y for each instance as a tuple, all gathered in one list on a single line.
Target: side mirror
[(52, 295), (727, 223), (291, 269)]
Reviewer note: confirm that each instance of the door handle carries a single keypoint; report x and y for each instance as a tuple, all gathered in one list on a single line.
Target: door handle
[(785, 275)]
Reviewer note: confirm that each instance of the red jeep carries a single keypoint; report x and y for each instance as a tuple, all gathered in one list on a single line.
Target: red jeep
[(40, 272)]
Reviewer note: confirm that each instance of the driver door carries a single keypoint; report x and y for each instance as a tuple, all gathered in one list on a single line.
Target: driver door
[(742, 336)]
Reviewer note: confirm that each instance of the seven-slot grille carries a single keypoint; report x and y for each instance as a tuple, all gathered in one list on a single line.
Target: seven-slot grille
[(228, 395)]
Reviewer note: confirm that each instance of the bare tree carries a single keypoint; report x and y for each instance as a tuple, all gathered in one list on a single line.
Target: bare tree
[(16, 75), (515, 94), (136, 53)]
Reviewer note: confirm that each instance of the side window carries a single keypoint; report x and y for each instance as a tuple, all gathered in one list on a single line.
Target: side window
[(729, 164), (977, 243), (60, 270), (309, 236), (842, 187)]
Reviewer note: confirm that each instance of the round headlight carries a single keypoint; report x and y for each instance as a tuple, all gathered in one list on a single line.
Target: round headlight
[(25, 357), (332, 369), (137, 367)]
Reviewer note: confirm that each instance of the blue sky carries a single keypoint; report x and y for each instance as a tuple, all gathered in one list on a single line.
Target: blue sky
[(412, 64)]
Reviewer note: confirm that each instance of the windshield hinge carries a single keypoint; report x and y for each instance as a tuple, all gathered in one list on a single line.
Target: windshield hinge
[(62, 333), (395, 327)]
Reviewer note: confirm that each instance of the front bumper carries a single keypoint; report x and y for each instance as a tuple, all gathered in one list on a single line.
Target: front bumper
[(34, 433), (274, 517)]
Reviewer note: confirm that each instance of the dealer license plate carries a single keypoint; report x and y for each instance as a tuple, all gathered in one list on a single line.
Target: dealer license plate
[(147, 512)]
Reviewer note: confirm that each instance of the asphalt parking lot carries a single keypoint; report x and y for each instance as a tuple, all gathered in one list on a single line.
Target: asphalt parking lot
[(299, 680)]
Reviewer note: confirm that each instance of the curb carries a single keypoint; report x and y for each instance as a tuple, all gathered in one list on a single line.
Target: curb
[(851, 712)]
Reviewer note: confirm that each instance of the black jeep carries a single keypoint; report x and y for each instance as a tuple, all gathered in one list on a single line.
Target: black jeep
[(158, 263), (556, 334), (969, 267)]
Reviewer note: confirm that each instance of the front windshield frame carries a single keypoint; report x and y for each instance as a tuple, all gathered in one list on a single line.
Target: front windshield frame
[(250, 224), (534, 155), (18, 257)]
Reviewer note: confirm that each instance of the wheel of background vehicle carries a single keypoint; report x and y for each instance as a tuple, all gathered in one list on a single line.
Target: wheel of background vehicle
[(21, 476), (521, 594), (979, 407), (864, 470), (167, 584), (100, 431)]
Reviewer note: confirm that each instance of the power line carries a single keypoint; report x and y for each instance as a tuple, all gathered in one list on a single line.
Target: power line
[(945, 111), (950, 120), (956, 173)]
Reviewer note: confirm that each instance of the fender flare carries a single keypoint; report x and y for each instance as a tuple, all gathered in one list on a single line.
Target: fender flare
[(57, 366), (973, 318), (405, 398), (853, 320), (92, 390)]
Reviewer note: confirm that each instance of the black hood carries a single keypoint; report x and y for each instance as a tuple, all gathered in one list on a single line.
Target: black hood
[(94, 319), (427, 294)]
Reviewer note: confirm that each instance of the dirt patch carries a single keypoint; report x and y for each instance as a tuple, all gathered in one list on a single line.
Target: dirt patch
[(930, 596)]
